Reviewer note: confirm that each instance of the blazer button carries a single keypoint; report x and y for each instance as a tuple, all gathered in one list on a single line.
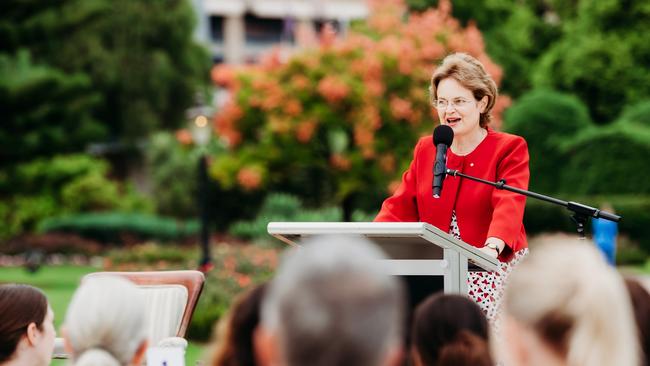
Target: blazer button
[(471, 164)]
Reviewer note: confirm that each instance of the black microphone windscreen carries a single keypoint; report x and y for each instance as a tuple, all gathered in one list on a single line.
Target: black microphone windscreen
[(443, 134)]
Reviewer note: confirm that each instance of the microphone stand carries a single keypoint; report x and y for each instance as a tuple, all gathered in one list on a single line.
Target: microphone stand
[(580, 212)]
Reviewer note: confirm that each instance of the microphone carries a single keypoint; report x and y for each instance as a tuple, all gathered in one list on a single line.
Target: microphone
[(443, 136)]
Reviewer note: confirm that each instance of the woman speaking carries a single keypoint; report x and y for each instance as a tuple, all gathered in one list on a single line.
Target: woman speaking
[(478, 214)]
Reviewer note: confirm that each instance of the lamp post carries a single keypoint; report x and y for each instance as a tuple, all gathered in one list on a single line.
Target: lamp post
[(201, 133)]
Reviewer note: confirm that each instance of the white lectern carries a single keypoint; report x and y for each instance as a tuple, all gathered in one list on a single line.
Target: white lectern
[(413, 248)]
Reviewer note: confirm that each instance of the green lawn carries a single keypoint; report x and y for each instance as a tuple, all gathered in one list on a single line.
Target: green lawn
[(59, 283)]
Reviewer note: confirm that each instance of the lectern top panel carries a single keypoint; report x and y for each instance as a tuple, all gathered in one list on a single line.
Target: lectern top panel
[(400, 240)]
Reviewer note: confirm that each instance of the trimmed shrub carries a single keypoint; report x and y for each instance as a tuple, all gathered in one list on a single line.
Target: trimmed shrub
[(239, 268), (607, 160), (281, 207), (52, 243), (543, 217), (61, 185), (637, 113), (545, 118), (120, 228)]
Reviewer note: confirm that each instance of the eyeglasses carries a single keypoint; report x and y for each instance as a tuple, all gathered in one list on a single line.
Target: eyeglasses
[(457, 103)]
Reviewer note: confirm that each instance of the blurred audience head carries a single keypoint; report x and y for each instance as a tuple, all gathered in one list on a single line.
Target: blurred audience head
[(332, 303), (564, 305), (641, 305), (106, 323), (234, 332), (26, 326), (449, 330)]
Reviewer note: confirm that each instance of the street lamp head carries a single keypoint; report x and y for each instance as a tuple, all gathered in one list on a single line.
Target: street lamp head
[(201, 131)]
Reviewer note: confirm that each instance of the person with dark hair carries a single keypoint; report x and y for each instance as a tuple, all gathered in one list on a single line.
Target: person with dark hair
[(641, 305), (26, 326), (449, 330), (487, 218), (234, 333)]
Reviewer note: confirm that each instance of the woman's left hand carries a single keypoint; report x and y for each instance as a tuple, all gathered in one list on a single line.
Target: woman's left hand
[(491, 252), (495, 241)]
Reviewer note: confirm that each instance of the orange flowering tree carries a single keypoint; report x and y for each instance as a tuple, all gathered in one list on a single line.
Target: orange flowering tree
[(342, 118)]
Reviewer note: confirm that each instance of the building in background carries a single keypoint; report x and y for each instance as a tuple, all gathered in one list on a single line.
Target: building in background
[(238, 31)]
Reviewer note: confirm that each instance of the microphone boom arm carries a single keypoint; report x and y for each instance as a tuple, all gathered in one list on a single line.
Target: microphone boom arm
[(580, 212)]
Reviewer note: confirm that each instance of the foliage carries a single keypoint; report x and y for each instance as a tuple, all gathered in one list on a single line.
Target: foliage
[(44, 110), (607, 160), (173, 170), (595, 49), (542, 217), (341, 119), (120, 228), (602, 57), (139, 57), (51, 243), (516, 32), (237, 268), (151, 255), (638, 113), (546, 119), (284, 208), (172, 163), (64, 184)]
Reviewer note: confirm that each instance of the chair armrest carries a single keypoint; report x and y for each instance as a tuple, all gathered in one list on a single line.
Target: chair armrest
[(59, 349), (175, 342)]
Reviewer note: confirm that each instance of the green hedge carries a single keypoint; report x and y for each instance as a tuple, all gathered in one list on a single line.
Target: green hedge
[(542, 217), (281, 207), (606, 160), (119, 228), (546, 118), (637, 113)]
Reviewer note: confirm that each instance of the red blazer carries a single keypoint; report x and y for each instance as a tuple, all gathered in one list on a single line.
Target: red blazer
[(482, 211)]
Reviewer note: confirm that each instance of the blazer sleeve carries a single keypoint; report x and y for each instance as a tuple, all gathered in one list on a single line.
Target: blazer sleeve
[(402, 205), (508, 207)]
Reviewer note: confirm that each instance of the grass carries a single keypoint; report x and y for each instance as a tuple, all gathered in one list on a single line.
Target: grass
[(59, 283)]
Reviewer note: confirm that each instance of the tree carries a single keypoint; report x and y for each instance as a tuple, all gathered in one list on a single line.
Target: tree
[(45, 111), (602, 57), (138, 56), (338, 123)]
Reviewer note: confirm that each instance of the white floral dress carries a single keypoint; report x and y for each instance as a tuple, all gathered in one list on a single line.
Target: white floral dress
[(486, 288)]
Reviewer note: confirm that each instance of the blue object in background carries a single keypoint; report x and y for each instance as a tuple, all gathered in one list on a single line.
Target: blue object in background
[(605, 232)]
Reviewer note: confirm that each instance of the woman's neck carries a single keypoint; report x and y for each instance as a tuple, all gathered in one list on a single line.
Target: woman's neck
[(464, 145)]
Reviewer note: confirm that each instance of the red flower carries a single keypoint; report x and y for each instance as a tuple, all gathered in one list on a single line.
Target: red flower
[(305, 130), (340, 162), (184, 137), (392, 186), (293, 108), (333, 89), (223, 75), (400, 108), (249, 178), (300, 82)]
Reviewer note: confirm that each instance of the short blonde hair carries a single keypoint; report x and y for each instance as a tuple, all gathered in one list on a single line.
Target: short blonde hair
[(471, 74), (575, 303)]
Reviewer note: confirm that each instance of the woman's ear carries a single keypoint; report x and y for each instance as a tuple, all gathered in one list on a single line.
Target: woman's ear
[(32, 334), (483, 103)]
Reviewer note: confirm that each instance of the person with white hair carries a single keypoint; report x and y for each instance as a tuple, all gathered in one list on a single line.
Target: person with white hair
[(332, 303), (105, 324), (563, 305)]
